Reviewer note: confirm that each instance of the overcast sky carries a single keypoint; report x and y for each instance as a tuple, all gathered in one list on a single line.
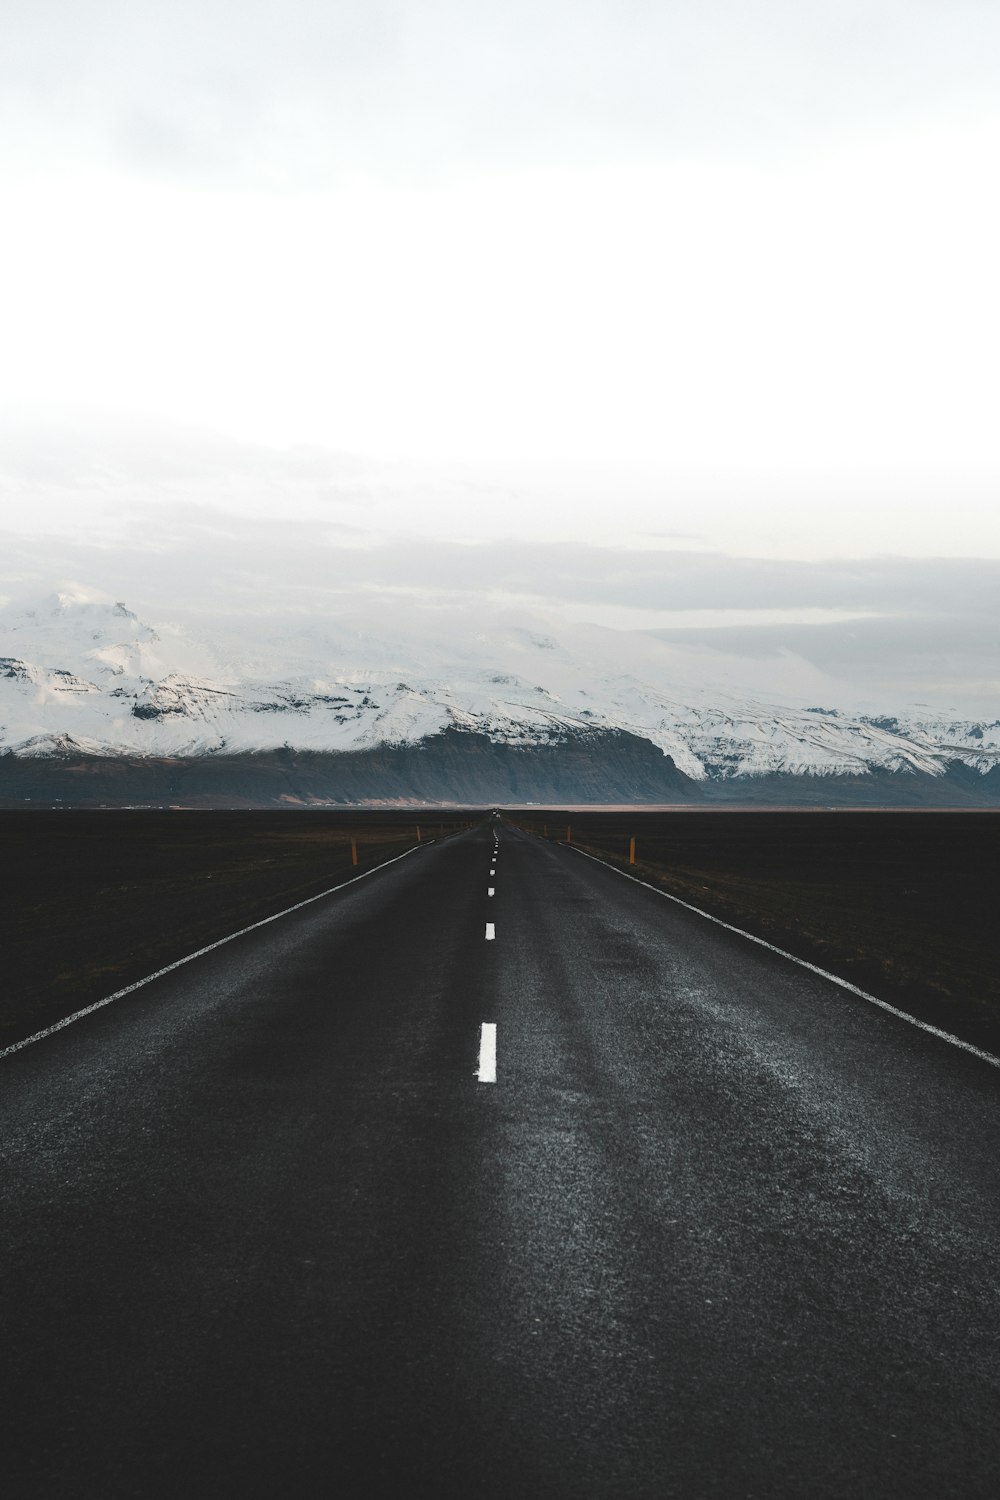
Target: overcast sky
[(706, 287)]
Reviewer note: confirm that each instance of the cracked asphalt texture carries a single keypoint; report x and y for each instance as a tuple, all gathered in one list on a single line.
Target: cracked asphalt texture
[(719, 1228)]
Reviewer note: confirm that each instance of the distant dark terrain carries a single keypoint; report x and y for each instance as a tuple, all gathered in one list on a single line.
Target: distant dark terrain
[(93, 901), (452, 768), (902, 904), (459, 768)]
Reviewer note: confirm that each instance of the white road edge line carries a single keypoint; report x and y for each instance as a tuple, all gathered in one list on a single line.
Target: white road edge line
[(844, 984), (488, 1053), (87, 1010), (491, 932)]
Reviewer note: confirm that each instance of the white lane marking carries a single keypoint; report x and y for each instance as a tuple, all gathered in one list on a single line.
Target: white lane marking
[(491, 932), (844, 984), (87, 1010), (494, 870), (490, 891), (488, 1053)]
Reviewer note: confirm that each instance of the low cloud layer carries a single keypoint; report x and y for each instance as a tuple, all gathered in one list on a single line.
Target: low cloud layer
[(899, 629)]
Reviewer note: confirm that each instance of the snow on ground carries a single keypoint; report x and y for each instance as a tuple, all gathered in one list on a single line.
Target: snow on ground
[(80, 670)]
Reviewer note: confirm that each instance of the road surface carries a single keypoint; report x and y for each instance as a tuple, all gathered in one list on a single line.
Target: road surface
[(717, 1228)]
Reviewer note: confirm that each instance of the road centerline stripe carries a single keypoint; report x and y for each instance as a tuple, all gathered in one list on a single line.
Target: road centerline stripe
[(491, 932), (488, 1053)]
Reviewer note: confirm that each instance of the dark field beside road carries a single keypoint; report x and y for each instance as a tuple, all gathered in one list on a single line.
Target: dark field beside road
[(93, 901), (903, 904)]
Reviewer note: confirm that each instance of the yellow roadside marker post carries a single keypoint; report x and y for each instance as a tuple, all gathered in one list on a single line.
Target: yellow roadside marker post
[(631, 851), (354, 851)]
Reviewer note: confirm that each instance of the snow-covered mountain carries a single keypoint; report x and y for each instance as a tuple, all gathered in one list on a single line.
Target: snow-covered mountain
[(82, 674)]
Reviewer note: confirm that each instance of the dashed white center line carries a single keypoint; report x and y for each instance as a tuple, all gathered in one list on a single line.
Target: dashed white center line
[(490, 891), (488, 1053), (491, 932), (493, 871)]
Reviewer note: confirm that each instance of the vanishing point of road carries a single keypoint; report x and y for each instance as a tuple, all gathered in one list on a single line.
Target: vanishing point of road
[(497, 1175)]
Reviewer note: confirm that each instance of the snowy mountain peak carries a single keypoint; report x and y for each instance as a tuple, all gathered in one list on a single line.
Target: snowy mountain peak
[(80, 672)]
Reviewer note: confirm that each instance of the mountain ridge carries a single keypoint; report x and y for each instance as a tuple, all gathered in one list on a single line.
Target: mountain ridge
[(84, 677)]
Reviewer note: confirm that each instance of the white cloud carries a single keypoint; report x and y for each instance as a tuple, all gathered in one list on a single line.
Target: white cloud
[(110, 483), (291, 92), (740, 323), (335, 287)]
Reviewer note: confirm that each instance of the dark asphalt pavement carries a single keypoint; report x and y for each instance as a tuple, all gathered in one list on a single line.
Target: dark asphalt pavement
[(718, 1229)]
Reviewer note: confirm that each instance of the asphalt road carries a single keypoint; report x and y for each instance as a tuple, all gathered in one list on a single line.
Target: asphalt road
[(717, 1229)]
